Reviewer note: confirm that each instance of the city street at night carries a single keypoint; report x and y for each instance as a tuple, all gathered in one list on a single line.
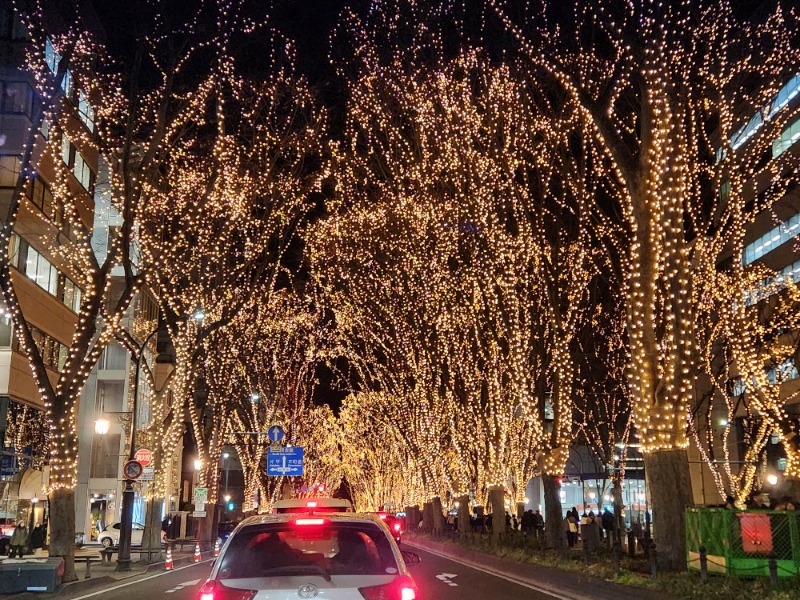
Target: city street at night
[(514, 282)]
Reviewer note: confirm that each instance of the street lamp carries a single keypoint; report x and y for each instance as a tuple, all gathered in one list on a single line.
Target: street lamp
[(126, 520), (101, 426)]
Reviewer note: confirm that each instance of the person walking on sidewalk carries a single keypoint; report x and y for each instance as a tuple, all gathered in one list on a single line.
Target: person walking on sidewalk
[(19, 540)]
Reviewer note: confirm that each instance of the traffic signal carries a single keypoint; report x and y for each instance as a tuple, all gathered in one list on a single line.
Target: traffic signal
[(230, 505)]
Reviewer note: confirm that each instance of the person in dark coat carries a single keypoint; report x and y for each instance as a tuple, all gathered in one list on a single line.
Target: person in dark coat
[(527, 522), (607, 521), (538, 524), (38, 536)]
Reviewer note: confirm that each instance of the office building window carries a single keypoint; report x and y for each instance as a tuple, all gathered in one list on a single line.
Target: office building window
[(6, 326), (772, 239), (54, 353), (115, 357), (787, 139), (80, 168), (17, 98), (71, 294), (38, 269), (85, 111)]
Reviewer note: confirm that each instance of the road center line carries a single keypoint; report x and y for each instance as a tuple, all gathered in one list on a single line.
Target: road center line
[(122, 585), (492, 572)]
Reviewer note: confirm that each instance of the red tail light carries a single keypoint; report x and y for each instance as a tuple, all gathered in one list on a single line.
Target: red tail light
[(214, 590), (311, 504), (397, 526), (402, 588), (306, 522)]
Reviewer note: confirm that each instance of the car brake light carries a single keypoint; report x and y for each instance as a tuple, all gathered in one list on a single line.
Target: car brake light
[(214, 590), (304, 522), (383, 517), (311, 504), (402, 588), (397, 526)]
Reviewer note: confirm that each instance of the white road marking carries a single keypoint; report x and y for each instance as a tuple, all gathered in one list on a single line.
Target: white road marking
[(492, 572), (446, 577), (122, 585)]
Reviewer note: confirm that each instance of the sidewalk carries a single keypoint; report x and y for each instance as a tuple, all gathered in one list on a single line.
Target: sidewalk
[(565, 584), (104, 574)]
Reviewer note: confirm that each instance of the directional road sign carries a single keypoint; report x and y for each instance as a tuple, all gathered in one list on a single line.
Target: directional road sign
[(285, 461), (275, 433)]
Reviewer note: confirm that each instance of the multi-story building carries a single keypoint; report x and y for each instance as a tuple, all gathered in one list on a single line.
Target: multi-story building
[(50, 300), (771, 241)]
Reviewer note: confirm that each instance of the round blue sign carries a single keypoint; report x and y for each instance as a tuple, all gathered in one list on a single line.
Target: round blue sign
[(275, 433)]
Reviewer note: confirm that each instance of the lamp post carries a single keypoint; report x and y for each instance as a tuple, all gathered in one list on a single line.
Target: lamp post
[(126, 519)]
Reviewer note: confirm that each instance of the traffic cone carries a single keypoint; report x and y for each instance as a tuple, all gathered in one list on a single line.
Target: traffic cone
[(197, 552), (168, 564), (216, 547)]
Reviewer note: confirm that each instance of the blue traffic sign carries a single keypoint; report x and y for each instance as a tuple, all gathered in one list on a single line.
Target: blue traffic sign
[(275, 433), (285, 461)]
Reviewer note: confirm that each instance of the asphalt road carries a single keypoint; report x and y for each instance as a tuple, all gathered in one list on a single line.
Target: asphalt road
[(438, 578)]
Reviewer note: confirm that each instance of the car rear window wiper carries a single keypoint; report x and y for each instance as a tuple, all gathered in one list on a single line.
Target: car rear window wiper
[(296, 569)]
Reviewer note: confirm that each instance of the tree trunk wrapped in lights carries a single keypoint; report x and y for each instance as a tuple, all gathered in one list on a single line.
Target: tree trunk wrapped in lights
[(663, 87)]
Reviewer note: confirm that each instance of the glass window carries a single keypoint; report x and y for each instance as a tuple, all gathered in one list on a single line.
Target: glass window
[(329, 548), (9, 170), (71, 296), (782, 99), (85, 111), (772, 239), (6, 327), (66, 149), (18, 98), (51, 57), (82, 171), (787, 139), (45, 128)]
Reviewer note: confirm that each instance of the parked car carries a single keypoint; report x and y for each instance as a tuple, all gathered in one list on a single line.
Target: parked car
[(346, 556), (7, 526), (110, 535)]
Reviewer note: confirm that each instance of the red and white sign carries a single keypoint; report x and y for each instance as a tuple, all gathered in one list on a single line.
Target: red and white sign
[(144, 456)]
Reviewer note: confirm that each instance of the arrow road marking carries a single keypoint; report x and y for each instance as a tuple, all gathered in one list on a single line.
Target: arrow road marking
[(446, 577), (180, 586)]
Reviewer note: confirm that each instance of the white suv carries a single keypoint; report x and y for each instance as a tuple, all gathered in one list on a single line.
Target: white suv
[(336, 556)]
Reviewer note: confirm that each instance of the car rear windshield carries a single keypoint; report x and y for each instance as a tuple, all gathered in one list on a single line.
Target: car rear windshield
[(308, 546)]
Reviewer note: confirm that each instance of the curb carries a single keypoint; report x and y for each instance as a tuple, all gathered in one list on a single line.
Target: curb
[(548, 580), (101, 581)]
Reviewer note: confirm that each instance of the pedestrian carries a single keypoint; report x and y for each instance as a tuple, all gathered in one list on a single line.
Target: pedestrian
[(592, 534), (730, 503), (571, 527), (538, 524), (38, 536), (514, 523), (508, 521), (786, 503), (607, 521), (527, 522), (19, 540)]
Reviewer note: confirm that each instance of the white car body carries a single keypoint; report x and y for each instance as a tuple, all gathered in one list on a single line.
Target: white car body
[(110, 535), (336, 556)]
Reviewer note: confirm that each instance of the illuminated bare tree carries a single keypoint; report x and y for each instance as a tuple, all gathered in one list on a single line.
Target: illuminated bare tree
[(665, 86)]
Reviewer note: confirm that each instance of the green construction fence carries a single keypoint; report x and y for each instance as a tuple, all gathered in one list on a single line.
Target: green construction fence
[(741, 542)]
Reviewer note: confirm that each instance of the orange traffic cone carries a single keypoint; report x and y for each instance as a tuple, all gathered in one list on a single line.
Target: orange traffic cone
[(197, 552), (168, 564), (216, 547)]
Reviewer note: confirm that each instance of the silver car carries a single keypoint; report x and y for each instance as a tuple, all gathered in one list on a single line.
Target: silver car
[(336, 556)]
